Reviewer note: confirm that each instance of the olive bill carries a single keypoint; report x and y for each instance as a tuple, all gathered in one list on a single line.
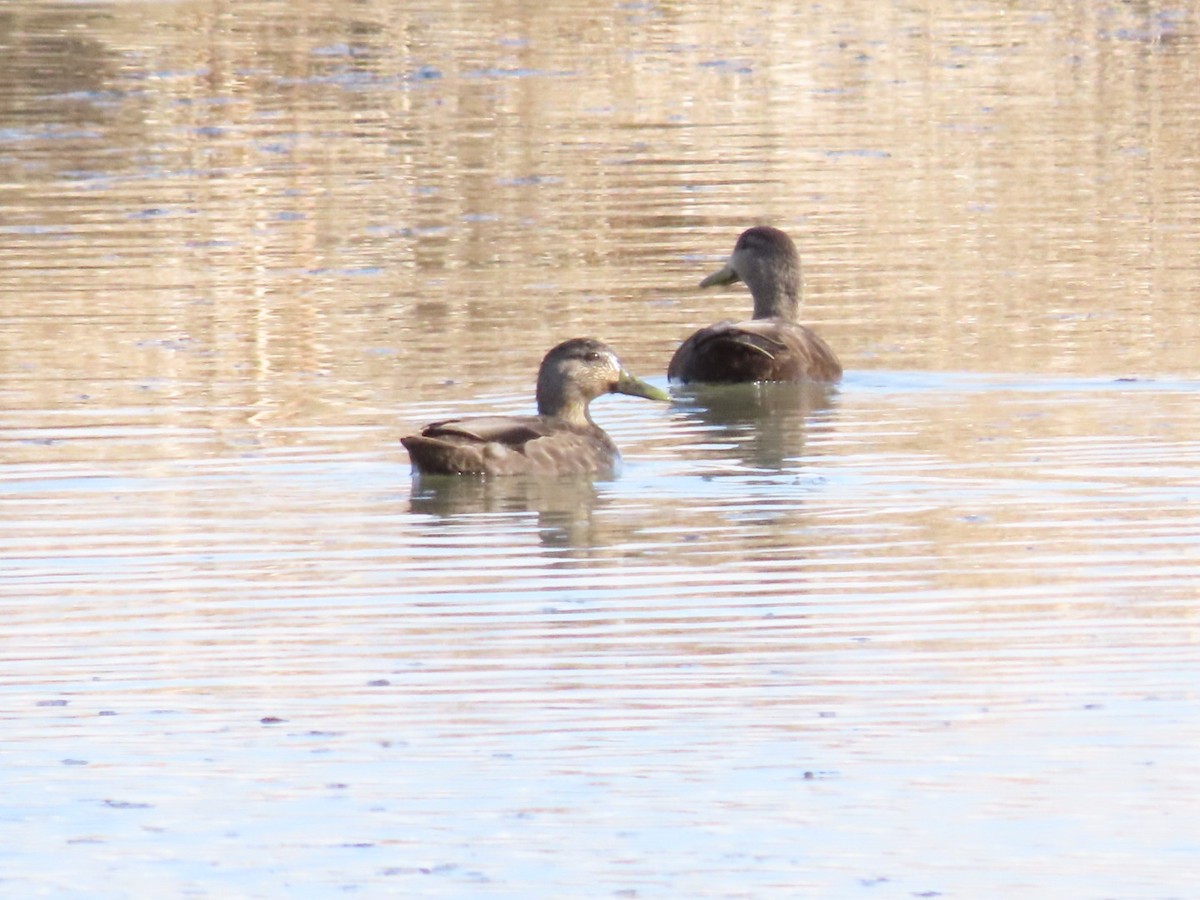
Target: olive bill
[(635, 387), (725, 276)]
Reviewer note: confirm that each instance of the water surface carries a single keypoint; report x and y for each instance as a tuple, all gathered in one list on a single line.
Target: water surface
[(930, 633)]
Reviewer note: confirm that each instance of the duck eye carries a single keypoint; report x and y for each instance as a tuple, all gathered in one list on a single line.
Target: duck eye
[(592, 356)]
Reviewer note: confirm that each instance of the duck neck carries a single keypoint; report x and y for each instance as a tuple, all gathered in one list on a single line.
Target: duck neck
[(556, 401), (777, 296)]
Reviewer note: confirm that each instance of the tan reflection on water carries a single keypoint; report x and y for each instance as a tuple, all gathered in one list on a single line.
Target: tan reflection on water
[(972, 191), (246, 246)]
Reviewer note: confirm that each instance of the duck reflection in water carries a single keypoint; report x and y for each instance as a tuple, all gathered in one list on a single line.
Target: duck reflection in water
[(564, 506), (762, 425)]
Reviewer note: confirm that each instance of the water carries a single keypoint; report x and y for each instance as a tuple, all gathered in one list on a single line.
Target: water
[(930, 633)]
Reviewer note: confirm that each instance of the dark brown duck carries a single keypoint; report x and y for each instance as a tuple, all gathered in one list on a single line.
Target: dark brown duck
[(561, 439), (772, 346)]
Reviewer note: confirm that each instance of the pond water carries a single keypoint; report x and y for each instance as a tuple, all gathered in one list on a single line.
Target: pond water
[(931, 633)]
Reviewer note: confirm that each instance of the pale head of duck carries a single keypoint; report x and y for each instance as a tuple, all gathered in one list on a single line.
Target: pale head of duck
[(767, 260), (578, 371)]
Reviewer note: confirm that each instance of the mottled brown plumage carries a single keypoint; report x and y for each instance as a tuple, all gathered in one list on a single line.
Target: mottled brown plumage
[(771, 346), (561, 439)]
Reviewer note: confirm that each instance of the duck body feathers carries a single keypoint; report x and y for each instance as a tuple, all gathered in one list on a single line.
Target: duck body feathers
[(511, 445), (773, 349)]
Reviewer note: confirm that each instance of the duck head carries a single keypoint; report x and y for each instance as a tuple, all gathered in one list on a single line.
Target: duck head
[(767, 260), (578, 371)]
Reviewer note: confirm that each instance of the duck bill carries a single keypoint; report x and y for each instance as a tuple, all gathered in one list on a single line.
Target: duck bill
[(635, 387), (725, 276)]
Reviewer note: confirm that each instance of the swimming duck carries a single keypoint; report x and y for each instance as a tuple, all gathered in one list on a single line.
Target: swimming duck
[(561, 439), (771, 346)]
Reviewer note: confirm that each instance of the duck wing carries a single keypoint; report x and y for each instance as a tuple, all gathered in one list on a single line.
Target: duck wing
[(754, 350), (507, 445), (512, 431)]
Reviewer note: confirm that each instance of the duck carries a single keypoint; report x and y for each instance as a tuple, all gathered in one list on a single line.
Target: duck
[(561, 439), (770, 346)]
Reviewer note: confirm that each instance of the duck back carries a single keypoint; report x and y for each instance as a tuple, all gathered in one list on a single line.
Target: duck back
[(755, 350)]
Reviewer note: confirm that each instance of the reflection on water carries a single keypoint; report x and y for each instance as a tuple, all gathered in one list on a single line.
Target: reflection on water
[(762, 425), (564, 507), (803, 644)]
